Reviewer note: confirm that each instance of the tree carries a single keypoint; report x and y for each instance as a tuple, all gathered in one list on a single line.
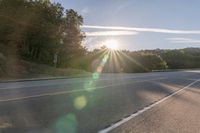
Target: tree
[(72, 38), (11, 27), (31, 28), (43, 37)]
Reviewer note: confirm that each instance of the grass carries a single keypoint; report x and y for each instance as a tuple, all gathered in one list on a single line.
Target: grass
[(21, 69)]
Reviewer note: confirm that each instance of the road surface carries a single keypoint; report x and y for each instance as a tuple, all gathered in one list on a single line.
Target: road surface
[(147, 102)]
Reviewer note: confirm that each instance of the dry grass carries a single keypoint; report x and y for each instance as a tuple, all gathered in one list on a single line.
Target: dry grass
[(20, 69)]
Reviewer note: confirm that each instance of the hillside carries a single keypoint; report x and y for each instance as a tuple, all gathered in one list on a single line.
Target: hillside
[(21, 69)]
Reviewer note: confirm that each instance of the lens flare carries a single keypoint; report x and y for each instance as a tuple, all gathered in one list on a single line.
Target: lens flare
[(96, 75), (80, 102), (66, 124), (89, 86)]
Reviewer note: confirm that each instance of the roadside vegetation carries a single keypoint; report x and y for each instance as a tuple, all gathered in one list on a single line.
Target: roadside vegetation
[(33, 32), (27, 70)]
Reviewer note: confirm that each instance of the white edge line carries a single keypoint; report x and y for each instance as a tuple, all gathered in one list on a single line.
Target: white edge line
[(115, 125)]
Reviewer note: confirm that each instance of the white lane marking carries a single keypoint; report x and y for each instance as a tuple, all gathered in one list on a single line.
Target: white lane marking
[(194, 71), (72, 91), (115, 125)]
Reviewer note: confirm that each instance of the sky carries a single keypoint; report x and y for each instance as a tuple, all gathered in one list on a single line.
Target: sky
[(139, 24)]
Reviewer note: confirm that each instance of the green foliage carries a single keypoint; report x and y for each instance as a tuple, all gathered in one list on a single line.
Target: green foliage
[(152, 62), (140, 61), (38, 29), (72, 38), (181, 59), (120, 61)]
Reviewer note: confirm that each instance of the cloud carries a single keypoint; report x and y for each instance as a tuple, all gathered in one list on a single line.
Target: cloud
[(156, 30), (110, 33), (184, 40)]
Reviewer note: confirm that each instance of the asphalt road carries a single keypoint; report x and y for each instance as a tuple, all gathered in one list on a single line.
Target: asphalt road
[(92, 104)]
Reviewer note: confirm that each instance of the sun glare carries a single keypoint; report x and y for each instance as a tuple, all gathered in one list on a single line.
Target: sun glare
[(112, 44)]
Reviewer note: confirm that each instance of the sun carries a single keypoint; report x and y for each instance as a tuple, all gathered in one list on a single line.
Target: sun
[(112, 44)]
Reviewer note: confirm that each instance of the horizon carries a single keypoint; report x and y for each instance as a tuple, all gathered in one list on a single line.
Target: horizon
[(125, 22), (154, 49)]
